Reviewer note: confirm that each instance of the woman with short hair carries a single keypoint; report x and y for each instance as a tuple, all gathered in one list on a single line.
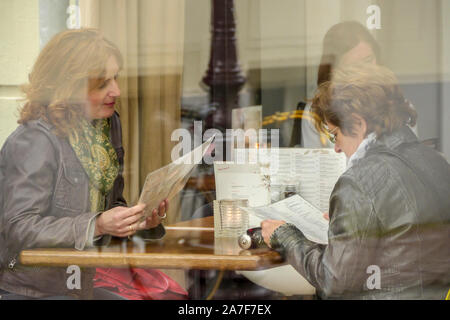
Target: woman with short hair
[(389, 211)]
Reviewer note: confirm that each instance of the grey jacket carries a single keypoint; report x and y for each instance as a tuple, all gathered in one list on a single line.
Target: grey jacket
[(44, 202), (389, 227)]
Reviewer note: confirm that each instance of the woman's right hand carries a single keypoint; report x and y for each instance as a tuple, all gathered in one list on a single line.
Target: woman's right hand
[(119, 221)]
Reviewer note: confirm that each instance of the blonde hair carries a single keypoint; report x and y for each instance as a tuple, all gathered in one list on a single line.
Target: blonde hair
[(367, 90), (72, 64)]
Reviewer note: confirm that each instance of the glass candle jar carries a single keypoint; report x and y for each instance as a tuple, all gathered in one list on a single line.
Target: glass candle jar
[(229, 219)]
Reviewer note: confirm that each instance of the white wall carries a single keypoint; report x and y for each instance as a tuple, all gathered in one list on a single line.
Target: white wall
[(19, 36), (411, 46)]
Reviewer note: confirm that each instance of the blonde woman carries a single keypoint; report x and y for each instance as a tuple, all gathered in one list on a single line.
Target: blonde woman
[(61, 170)]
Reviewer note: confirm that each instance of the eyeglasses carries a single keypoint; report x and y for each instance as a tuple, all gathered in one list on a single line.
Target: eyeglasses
[(331, 134)]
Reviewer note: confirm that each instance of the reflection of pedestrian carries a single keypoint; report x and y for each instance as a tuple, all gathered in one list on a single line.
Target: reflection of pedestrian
[(61, 170), (344, 43), (389, 211)]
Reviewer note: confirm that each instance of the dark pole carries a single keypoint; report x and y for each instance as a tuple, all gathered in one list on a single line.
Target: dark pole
[(223, 77)]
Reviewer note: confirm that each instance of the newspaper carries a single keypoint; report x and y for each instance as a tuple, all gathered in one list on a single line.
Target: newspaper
[(167, 181)]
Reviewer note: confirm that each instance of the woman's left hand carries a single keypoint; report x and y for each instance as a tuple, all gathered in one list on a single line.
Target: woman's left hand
[(268, 227), (156, 217)]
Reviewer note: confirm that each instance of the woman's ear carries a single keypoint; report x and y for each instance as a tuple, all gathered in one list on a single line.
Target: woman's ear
[(360, 125)]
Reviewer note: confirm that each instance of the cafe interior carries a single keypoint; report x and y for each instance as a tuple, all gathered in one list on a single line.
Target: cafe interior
[(193, 71)]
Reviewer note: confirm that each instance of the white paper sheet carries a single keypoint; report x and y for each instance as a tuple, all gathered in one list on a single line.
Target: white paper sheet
[(167, 181), (299, 212), (241, 181)]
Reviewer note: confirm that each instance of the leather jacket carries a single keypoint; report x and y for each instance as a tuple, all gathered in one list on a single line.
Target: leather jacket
[(389, 227), (44, 202)]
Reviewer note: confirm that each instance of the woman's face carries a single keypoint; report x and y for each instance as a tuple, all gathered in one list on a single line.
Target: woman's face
[(361, 53), (348, 143), (101, 100)]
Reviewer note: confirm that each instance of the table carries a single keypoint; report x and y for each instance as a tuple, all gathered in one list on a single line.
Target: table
[(186, 245)]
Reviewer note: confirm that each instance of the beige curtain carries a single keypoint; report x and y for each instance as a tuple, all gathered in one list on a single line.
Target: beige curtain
[(150, 35)]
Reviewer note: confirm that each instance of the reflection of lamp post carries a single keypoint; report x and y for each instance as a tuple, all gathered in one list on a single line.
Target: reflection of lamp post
[(223, 77)]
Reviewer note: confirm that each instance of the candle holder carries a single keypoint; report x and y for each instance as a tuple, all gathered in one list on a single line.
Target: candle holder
[(229, 219)]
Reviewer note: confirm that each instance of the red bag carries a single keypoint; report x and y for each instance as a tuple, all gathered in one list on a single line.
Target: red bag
[(139, 284)]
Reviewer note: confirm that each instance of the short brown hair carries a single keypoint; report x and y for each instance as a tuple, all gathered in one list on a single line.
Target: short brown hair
[(367, 90), (71, 64)]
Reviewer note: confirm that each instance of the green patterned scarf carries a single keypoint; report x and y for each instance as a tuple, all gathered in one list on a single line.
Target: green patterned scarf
[(93, 148)]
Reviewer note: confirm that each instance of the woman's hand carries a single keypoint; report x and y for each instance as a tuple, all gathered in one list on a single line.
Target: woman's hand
[(326, 216), (268, 227), (156, 217), (119, 221)]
